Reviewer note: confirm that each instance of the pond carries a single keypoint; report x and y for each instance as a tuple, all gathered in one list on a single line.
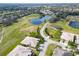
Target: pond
[(74, 24), (40, 20), (36, 21)]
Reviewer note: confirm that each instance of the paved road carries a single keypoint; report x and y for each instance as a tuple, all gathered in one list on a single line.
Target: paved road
[(42, 31), (48, 41)]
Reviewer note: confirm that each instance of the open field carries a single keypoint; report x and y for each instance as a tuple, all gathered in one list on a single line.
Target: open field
[(13, 34)]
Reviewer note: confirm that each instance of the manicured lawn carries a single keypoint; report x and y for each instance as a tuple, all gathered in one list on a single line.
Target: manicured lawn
[(50, 49), (54, 34), (66, 27), (13, 34)]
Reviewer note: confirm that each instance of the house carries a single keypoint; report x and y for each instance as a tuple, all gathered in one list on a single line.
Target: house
[(30, 41), (66, 36), (20, 51), (60, 52), (46, 12)]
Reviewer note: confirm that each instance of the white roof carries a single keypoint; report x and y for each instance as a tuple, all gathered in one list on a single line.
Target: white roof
[(67, 36), (46, 11), (30, 41), (20, 51), (77, 40)]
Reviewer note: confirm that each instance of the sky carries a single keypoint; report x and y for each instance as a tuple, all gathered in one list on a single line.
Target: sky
[(39, 1)]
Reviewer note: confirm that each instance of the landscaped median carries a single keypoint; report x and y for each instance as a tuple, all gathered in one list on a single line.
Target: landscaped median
[(54, 34), (50, 49)]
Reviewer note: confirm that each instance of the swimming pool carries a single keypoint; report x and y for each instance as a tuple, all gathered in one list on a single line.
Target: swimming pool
[(40, 20), (74, 24)]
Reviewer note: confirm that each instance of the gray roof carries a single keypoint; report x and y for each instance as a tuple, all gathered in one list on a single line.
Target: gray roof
[(67, 54), (60, 52)]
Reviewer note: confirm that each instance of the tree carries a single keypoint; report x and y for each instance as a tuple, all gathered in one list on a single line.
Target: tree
[(72, 45), (33, 34), (74, 39), (57, 34)]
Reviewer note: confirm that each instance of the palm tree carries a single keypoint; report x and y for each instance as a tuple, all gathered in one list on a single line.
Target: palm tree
[(74, 39), (72, 44)]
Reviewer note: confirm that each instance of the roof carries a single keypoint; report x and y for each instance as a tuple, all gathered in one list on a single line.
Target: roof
[(67, 54), (67, 36), (60, 52), (30, 41), (20, 51), (46, 11)]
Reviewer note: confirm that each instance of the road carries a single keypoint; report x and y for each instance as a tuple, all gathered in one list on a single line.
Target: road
[(48, 41)]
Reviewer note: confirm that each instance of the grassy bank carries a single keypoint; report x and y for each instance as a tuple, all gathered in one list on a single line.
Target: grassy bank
[(13, 34)]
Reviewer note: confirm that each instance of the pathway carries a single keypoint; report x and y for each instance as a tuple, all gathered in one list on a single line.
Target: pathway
[(48, 41)]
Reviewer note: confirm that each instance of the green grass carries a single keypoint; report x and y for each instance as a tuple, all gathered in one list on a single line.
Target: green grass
[(54, 34), (13, 36), (50, 49), (36, 53), (66, 27)]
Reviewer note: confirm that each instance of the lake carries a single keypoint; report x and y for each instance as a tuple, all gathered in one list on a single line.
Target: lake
[(74, 24), (40, 20)]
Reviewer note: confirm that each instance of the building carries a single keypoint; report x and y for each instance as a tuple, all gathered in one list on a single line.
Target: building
[(60, 52), (30, 41), (20, 51), (25, 49), (46, 12), (66, 36)]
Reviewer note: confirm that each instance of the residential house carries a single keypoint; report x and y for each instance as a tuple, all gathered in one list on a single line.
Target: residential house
[(20, 51), (60, 52), (30, 41)]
